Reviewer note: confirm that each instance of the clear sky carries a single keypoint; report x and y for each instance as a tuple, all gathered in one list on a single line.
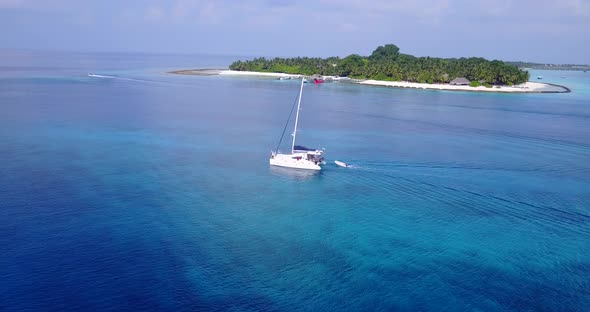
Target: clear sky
[(556, 31)]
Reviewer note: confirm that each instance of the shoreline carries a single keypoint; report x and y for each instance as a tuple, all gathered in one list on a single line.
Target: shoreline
[(527, 87)]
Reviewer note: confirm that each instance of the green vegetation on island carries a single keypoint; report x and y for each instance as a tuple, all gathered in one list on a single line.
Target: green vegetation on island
[(386, 63)]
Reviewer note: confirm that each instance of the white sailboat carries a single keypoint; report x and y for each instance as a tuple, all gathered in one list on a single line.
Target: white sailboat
[(300, 157)]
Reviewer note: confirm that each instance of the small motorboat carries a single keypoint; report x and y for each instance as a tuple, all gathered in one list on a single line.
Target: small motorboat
[(539, 77), (316, 80), (341, 163)]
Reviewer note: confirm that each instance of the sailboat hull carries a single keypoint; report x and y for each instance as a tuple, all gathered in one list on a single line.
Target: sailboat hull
[(295, 161)]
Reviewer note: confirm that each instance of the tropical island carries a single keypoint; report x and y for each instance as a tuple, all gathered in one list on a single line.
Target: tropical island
[(386, 66)]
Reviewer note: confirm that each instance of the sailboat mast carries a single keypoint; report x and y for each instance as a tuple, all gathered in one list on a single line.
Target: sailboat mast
[(297, 116)]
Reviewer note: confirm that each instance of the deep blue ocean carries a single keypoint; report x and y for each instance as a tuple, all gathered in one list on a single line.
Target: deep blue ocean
[(148, 191)]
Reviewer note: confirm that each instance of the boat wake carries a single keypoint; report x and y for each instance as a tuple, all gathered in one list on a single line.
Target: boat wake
[(121, 78), (395, 180)]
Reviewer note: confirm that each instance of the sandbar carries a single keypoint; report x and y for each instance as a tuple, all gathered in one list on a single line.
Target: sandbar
[(527, 87)]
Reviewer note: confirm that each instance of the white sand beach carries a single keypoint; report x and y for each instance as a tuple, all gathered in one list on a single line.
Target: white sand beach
[(250, 73), (528, 87)]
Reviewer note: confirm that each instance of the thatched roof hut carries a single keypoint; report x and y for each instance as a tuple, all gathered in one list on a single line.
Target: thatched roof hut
[(460, 82)]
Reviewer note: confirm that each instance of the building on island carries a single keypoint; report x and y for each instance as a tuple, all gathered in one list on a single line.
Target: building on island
[(460, 82)]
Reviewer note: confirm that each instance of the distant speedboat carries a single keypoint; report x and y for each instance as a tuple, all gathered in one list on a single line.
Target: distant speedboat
[(316, 80), (539, 77), (99, 76)]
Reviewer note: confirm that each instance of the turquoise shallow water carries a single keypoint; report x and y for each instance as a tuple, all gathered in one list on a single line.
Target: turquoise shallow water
[(151, 191)]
